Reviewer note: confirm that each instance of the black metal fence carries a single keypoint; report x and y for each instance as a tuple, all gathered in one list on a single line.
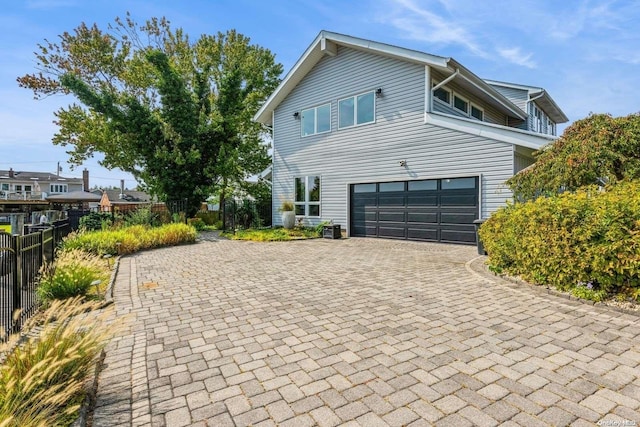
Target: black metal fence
[(21, 260), (246, 214)]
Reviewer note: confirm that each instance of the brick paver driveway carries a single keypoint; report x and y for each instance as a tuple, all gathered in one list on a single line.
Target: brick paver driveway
[(356, 332)]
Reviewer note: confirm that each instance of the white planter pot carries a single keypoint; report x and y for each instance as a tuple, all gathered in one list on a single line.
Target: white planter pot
[(288, 219)]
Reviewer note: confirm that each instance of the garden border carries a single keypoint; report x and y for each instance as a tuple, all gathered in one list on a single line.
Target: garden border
[(544, 289)]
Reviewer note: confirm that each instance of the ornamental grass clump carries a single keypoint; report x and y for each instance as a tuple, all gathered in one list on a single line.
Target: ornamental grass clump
[(42, 380), (71, 275), (128, 240)]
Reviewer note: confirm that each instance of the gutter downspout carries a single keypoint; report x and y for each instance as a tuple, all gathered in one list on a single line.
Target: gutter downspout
[(533, 99), (442, 83)]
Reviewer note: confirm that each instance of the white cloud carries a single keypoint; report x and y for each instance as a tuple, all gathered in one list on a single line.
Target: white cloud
[(421, 24), (515, 56)]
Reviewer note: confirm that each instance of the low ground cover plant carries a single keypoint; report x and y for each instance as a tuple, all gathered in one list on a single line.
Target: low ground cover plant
[(586, 242), (274, 234), (127, 240), (41, 381)]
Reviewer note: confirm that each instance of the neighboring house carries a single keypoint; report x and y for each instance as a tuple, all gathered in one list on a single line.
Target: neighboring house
[(391, 142), (121, 200), (25, 186)]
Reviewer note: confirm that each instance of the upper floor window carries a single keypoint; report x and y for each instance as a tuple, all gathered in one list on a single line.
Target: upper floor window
[(443, 95), (4, 187), (551, 127), (461, 104), (316, 120), (58, 188), (477, 112), (357, 110)]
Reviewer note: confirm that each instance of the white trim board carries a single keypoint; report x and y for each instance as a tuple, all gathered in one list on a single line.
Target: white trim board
[(489, 130)]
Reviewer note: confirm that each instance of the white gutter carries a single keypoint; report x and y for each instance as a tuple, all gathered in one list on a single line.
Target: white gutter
[(439, 85)]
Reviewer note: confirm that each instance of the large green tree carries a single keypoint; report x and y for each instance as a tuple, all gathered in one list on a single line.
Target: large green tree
[(598, 149), (173, 112)]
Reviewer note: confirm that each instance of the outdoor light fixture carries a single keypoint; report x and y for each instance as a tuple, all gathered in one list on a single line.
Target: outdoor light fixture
[(379, 92), (403, 163), (296, 115)]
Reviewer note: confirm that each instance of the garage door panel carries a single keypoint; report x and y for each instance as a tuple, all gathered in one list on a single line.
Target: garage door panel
[(457, 218), (391, 216), (430, 234), (422, 200), (362, 200), (458, 200), (425, 210), (386, 231), (423, 217), (457, 235), (391, 200)]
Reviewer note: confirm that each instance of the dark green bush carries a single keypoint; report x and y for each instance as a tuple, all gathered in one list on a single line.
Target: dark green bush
[(208, 217), (96, 221), (197, 223), (587, 242)]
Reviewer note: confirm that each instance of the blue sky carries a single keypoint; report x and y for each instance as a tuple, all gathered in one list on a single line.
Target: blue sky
[(585, 53)]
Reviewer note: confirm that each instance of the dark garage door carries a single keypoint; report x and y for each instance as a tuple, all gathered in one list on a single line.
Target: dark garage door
[(436, 210)]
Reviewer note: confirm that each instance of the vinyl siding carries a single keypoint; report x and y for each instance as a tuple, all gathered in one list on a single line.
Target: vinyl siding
[(372, 152), (517, 96), (491, 114), (521, 162)]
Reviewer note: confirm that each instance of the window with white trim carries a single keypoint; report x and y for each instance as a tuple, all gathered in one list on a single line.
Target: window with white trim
[(477, 112), (307, 196), (461, 104), (4, 187), (442, 94), (58, 188), (316, 120), (357, 110)]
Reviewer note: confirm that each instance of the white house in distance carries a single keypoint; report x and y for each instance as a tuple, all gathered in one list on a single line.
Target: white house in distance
[(22, 185), (391, 142)]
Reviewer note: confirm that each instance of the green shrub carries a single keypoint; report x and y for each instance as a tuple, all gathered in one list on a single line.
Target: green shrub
[(142, 216), (96, 221), (208, 217), (132, 239), (587, 237), (197, 223)]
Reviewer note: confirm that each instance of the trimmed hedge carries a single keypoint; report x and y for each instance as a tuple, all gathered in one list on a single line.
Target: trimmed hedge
[(587, 242)]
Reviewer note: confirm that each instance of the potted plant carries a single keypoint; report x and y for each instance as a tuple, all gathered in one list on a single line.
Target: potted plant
[(288, 214)]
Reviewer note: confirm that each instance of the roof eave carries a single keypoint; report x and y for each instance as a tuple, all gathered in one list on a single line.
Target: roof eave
[(314, 53)]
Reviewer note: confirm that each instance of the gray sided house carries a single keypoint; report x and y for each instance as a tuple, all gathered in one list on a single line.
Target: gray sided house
[(391, 142)]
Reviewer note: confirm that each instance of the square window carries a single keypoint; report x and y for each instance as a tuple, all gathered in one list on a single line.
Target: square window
[(357, 110), (316, 120), (460, 104), (314, 210), (443, 95), (477, 113)]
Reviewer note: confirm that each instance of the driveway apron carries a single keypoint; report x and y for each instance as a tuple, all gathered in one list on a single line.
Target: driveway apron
[(356, 332)]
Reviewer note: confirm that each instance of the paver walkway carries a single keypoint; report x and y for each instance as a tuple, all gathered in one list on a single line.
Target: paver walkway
[(356, 332)]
